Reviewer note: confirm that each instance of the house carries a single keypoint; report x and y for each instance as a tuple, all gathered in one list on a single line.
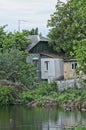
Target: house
[(70, 66), (49, 65), (52, 69)]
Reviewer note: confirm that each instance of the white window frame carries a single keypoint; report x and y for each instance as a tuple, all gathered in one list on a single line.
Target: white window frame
[(73, 65), (46, 65)]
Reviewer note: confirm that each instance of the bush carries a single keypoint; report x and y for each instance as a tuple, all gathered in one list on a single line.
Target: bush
[(45, 89), (6, 95), (80, 128), (26, 97)]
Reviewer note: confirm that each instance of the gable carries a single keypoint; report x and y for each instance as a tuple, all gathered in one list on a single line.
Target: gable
[(41, 46), (35, 40)]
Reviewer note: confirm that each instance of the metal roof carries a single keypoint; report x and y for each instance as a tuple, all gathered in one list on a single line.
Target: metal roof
[(35, 39)]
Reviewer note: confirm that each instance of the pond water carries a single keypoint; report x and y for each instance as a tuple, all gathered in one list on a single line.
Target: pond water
[(23, 118)]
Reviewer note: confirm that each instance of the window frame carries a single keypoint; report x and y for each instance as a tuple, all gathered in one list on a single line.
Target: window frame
[(46, 65), (73, 65)]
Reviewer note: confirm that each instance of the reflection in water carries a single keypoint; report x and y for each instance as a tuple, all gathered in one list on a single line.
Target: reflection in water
[(23, 118)]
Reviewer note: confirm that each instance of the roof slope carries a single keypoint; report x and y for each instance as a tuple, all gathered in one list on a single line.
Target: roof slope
[(34, 40)]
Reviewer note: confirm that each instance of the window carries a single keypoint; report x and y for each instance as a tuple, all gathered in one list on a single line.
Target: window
[(35, 61), (74, 65), (46, 65)]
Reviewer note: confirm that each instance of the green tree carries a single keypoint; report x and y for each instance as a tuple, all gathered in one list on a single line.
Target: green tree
[(17, 40), (13, 55), (2, 35), (33, 31), (67, 25), (13, 67), (80, 54)]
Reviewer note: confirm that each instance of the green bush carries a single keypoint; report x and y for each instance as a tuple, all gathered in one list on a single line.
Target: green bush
[(45, 89), (80, 128), (6, 95), (26, 97)]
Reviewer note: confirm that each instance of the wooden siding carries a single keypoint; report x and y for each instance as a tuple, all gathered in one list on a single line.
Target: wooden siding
[(40, 47)]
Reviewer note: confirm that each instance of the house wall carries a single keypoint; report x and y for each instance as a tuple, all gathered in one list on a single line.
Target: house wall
[(50, 72), (54, 69), (59, 69), (34, 58), (69, 73)]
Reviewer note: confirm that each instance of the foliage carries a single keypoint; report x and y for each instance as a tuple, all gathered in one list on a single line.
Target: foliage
[(13, 55), (45, 89), (2, 35), (68, 31), (17, 40), (67, 24), (6, 96), (26, 97), (80, 128), (13, 67), (80, 54), (33, 31)]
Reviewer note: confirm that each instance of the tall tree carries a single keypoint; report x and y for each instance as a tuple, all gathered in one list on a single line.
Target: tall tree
[(13, 55), (67, 24), (13, 67), (80, 54)]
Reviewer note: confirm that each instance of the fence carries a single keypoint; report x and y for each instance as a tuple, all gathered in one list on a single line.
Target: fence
[(71, 83)]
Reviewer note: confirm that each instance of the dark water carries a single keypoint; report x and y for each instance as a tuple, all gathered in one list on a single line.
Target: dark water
[(23, 118)]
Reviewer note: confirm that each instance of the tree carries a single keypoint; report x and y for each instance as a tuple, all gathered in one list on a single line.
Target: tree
[(13, 55), (2, 35), (17, 40), (68, 24), (80, 54), (13, 67), (33, 31)]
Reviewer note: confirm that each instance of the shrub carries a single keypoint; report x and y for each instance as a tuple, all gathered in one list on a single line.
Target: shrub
[(45, 89), (26, 97), (6, 95)]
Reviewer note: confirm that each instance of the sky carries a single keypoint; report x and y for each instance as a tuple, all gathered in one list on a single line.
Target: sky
[(26, 14)]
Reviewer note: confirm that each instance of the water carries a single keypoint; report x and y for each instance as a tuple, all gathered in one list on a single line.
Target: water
[(23, 118)]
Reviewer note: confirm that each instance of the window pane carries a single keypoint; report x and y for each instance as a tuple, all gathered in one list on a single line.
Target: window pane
[(46, 65)]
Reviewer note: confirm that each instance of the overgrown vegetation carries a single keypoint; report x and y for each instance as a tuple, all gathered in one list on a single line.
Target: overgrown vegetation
[(44, 94), (13, 66), (6, 95), (72, 97), (67, 30), (80, 128)]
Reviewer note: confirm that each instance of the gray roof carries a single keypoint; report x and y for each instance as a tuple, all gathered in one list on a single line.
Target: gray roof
[(34, 40)]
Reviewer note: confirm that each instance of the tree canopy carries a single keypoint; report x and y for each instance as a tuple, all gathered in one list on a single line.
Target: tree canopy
[(68, 30), (67, 24), (13, 55)]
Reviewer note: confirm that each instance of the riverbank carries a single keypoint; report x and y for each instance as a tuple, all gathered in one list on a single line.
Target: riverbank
[(44, 95), (49, 96)]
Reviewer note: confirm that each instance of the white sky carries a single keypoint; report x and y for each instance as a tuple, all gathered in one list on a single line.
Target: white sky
[(34, 12)]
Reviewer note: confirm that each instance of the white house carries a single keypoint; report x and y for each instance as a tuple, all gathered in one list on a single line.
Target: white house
[(52, 68)]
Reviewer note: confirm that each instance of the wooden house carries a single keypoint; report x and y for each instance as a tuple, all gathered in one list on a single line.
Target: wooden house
[(49, 65)]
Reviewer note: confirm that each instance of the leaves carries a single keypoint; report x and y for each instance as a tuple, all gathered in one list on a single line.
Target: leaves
[(67, 24), (13, 55)]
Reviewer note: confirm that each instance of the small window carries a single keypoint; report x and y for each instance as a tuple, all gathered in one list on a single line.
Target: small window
[(46, 65), (35, 62), (74, 65)]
